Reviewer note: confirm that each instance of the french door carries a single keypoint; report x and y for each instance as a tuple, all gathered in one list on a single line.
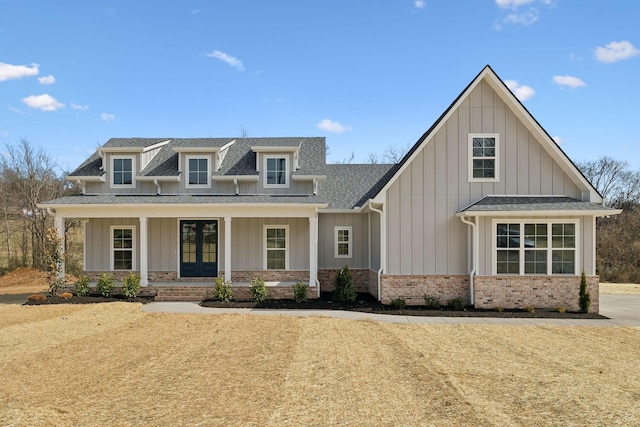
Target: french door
[(198, 248)]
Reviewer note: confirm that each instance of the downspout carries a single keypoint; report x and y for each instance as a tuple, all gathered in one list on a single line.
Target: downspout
[(473, 255), (381, 246)]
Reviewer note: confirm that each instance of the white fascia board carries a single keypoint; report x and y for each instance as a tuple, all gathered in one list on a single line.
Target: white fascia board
[(576, 213), (90, 178), (309, 177), (244, 178), (154, 146), (239, 210)]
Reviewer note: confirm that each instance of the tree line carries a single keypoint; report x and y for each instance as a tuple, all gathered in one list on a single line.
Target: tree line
[(28, 176)]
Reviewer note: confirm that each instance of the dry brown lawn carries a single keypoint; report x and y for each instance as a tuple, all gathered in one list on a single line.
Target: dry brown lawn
[(620, 288), (112, 364)]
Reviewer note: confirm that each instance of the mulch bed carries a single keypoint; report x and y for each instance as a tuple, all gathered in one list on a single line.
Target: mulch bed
[(368, 304), (90, 299)]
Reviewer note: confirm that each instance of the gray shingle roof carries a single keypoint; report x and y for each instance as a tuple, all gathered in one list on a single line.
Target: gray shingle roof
[(348, 186), (532, 203)]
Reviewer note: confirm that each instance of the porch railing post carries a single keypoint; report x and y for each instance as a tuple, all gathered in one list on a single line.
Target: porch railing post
[(227, 248)]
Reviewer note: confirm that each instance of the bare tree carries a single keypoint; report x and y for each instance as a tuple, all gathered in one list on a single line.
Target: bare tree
[(394, 154), (244, 133), (347, 160), (614, 179), (372, 158), (28, 177)]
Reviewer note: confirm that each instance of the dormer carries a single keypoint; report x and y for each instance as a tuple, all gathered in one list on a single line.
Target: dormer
[(278, 164), (120, 164), (198, 163)]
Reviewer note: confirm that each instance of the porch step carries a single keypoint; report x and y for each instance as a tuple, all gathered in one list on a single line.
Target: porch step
[(186, 293)]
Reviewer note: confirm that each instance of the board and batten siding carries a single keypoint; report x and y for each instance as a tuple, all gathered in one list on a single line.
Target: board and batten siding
[(326, 240), (424, 235), (247, 242), (97, 231)]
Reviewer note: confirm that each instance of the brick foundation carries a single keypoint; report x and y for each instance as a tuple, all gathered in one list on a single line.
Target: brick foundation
[(361, 279), (270, 275), (413, 288), (535, 291)]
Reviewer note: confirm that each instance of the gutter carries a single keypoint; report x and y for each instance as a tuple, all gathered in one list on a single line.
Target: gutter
[(474, 254), (383, 242)]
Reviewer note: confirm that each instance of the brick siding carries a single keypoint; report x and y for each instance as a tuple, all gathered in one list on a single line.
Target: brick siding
[(361, 279), (535, 291), (413, 288)]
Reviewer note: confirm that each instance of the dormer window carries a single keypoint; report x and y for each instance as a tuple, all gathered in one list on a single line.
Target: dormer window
[(198, 175), (122, 171), (483, 157), (276, 171)]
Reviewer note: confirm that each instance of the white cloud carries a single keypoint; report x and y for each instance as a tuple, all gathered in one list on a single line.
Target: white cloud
[(526, 18), (520, 91), (234, 62), (512, 4), (9, 71), (570, 81), (47, 80), (616, 51), (420, 4), (44, 102), (557, 139), (79, 107), (107, 117), (331, 126), (14, 109)]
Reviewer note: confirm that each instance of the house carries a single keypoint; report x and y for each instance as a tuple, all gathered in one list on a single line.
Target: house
[(485, 206)]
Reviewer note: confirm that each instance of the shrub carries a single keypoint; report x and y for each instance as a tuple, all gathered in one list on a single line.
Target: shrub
[(222, 290), (131, 285), (530, 309), (37, 297), (105, 284), (81, 288), (499, 309), (300, 291), (258, 289), (54, 259), (559, 309), (398, 303), (66, 295), (456, 304), (432, 303), (584, 297), (344, 290)]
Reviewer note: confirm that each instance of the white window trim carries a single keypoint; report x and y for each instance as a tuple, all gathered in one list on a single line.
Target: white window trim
[(133, 171), (336, 230), (521, 222), (134, 251), (194, 156), (496, 178), (286, 245), (287, 162)]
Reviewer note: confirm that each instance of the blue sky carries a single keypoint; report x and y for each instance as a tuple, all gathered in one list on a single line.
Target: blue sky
[(365, 74)]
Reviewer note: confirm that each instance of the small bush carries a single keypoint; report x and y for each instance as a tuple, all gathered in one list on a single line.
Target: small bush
[(530, 309), (131, 285), (499, 309), (398, 303), (456, 304), (344, 290), (222, 290), (37, 297), (584, 298), (300, 291), (105, 284), (258, 289), (432, 303), (66, 295), (559, 309), (81, 288)]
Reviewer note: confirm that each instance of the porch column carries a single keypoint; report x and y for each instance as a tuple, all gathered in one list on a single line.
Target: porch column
[(59, 224), (313, 251), (227, 248), (144, 253)]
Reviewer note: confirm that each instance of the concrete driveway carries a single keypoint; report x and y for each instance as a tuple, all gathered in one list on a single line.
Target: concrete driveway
[(621, 309)]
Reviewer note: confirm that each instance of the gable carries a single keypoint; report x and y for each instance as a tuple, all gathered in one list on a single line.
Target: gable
[(528, 160)]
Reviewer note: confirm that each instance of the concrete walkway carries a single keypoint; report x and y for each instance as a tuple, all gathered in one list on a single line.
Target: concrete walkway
[(622, 310)]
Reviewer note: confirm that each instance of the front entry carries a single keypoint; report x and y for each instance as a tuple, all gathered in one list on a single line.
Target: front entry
[(199, 248)]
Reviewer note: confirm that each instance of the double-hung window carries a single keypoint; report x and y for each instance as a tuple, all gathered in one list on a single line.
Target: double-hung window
[(122, 247), (198, 172), (122, 171), (343, 237), (483, 157), (276, 171), (276, 245), (532, 247)]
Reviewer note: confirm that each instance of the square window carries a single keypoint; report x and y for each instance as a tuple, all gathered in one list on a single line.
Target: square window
[(197, 172)]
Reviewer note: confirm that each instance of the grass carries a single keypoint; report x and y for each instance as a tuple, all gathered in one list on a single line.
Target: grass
[(109, 364)]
